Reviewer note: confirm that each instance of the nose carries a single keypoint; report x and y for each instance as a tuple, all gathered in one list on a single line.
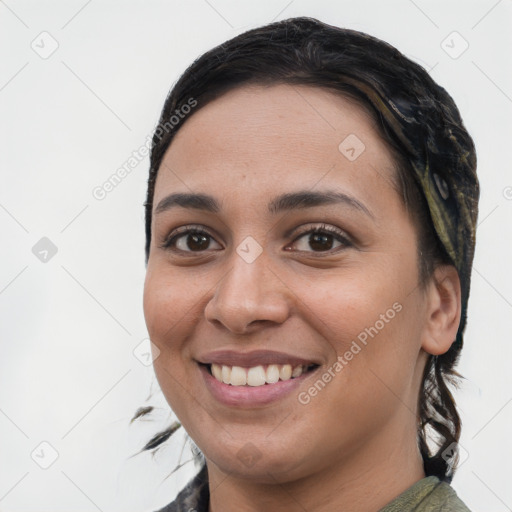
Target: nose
[(249, 295)]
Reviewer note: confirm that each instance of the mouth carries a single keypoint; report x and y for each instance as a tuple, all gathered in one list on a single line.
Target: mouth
[(260, 375), (259, 378)]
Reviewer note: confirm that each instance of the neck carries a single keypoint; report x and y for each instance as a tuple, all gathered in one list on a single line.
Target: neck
[(378, 473)]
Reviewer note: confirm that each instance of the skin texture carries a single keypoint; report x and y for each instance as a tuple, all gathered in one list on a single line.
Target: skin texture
[(353, 446)]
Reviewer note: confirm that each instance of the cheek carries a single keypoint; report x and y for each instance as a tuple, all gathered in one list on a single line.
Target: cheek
[(170, 302), (371, 327), (371, 319), (350, 303)]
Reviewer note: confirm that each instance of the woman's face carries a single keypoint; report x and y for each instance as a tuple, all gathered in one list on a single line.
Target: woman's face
[(255, 295)]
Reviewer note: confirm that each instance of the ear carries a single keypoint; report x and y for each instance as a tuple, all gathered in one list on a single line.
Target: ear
[(443, 310)]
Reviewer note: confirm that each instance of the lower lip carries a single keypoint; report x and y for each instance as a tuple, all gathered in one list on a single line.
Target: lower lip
[(250, 396)]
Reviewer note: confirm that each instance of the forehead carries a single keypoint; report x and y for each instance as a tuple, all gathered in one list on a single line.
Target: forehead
[(256, 139)]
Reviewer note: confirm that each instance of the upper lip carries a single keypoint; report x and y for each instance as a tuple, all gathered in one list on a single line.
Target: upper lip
[(253, 358)]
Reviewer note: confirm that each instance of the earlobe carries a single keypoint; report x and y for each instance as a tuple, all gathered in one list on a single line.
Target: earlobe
[(443, 310)]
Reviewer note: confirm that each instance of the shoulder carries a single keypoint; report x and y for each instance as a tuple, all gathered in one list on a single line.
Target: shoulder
[(444, 499), (427, 495), (193, 497)]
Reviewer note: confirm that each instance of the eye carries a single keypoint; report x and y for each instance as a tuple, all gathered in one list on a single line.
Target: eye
[(321, 239), (190, 239), (317, 239)]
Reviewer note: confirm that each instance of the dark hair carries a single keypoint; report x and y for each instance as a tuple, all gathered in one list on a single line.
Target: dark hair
[(304, 51)]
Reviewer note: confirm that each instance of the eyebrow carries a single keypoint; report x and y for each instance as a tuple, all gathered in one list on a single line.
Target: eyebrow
[(291, 201)]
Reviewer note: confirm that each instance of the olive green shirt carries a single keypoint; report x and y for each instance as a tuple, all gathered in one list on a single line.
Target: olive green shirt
[(426, 495)]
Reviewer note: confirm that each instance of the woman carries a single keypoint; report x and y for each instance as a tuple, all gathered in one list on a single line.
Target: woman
[(310, 224)]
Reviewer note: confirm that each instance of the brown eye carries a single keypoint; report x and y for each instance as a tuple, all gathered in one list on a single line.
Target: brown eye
[(195, 242), (191, 240), (321, 239)]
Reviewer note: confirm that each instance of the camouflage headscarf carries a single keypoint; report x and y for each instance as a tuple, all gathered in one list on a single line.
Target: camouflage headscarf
[(443, 159)]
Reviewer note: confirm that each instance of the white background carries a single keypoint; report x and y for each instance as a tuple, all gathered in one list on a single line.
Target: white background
[(69, 326)]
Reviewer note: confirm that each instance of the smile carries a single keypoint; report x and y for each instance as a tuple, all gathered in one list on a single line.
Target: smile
[(260, 375), (258, 378)]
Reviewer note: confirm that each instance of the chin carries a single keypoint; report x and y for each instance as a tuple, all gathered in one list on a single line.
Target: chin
[(260, 462)]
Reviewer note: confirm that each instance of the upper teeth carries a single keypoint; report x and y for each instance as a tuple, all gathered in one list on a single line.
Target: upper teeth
[(257, 375)]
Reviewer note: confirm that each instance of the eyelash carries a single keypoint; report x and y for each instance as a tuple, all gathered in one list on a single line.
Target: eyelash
[(339, 235)]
